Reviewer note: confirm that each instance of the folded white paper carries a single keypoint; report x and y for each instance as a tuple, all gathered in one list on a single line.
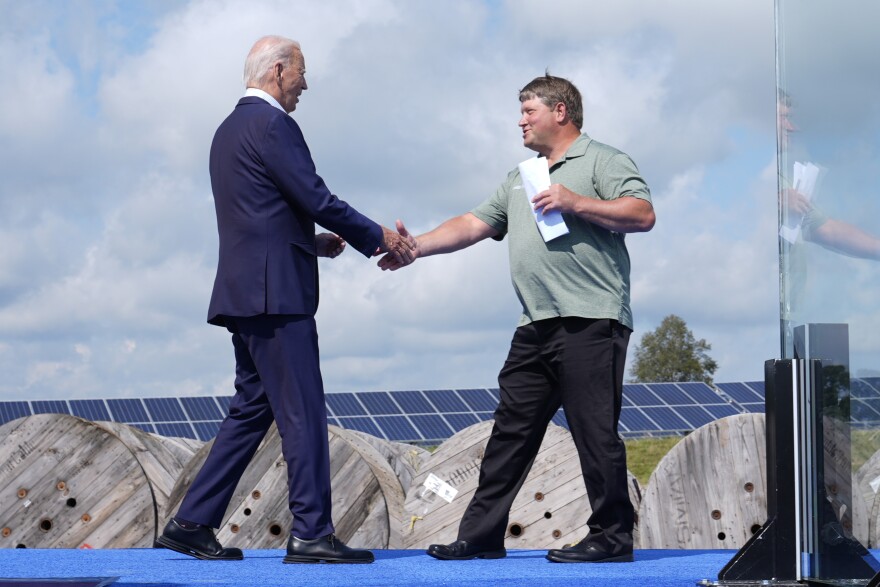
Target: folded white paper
[(535, 179), (804, 178)]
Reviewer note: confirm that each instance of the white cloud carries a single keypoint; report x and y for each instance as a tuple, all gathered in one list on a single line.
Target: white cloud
[(107, 225), (446, 318), (43, 87)]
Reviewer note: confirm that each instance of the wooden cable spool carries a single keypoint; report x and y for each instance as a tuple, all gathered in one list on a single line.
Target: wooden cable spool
[(162, 459), (550, 510), (362, 482), (405, 459), (710, 490), (68, 483)]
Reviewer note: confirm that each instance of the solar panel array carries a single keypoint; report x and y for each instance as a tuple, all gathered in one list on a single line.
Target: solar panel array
[(657, 409), (748, 396), (865, 402), (428, 417)]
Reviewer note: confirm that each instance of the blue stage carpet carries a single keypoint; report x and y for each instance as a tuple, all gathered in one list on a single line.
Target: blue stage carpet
[(140, 567)]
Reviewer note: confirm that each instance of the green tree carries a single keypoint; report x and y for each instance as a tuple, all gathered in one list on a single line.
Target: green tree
[(672, 353)]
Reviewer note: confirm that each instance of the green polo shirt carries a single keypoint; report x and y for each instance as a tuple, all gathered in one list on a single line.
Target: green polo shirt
[(584, 273)]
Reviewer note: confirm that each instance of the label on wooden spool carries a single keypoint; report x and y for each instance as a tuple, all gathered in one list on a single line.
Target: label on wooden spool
[(440, 487)]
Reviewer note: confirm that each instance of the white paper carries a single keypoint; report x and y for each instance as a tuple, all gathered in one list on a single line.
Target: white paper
[(805, 177), (440, 487), (875, 484), (535, 179), (804, 181)]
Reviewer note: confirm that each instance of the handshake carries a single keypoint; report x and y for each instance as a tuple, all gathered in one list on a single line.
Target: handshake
[(400, 248)]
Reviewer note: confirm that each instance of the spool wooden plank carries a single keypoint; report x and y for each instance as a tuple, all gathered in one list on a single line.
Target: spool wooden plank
[(67, 483), (866, 502), (162, 459), (550, 510), (710, 490), (378, 529), (838, 473), (258, 514), (405, 459)]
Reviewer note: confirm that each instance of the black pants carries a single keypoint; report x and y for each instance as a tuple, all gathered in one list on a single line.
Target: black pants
[(577, 363)]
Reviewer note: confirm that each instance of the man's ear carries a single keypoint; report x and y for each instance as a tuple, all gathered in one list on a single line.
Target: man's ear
[(560, 111)]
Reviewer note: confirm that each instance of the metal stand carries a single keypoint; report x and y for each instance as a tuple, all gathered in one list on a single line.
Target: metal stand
[(801, 538)]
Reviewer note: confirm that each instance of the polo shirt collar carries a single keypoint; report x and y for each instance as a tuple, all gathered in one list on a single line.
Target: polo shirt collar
[(578, 148)]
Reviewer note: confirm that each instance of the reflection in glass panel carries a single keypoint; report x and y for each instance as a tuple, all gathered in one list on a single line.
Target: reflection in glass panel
[(828, 106)]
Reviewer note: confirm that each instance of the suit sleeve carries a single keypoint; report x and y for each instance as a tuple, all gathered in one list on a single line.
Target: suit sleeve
[(289, 163)]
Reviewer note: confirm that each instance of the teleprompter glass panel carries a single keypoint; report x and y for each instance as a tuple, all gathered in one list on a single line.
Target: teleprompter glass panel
[(828, 129)]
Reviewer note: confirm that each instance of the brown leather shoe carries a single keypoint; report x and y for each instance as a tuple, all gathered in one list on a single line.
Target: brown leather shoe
[(462, 550)]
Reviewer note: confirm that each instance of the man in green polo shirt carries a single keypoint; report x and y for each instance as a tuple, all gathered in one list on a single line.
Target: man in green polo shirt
[(570, 346)]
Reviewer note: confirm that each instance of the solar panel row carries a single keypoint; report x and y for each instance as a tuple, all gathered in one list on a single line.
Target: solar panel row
[(432, 416), (189, 417)]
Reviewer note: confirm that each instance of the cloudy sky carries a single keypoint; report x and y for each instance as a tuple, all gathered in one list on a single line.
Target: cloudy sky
[(108, 239)]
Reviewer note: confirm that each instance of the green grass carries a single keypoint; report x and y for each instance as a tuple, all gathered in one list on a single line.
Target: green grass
[(643, 454), (864, 444)]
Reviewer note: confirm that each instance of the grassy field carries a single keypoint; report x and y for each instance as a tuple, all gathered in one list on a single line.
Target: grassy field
[(643, 454), (864, 444)]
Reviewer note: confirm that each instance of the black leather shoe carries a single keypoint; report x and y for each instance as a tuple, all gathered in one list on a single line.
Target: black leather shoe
[(582, 552), (199, 542), (462, 550), (327, 549)]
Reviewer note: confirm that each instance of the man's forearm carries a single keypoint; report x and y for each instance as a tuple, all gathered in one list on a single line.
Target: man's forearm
[(453, 235), (625, 214)]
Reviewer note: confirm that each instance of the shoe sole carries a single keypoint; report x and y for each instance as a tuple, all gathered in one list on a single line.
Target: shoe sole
[(623, 558), (309, 560), (163, 542), (492, 554)]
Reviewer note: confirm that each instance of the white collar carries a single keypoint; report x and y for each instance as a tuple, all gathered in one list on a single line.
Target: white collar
[(265, 96)]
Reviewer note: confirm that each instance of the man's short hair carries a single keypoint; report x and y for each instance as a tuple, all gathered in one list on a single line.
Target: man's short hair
[(552, 90), (265, 53)]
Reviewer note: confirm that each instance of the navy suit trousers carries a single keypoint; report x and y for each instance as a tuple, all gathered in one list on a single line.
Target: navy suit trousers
[(277, 377)]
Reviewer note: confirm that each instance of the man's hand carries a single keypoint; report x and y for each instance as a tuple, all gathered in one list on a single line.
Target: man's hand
[(624, 214), (389, 262), (329, 245), (556, 197), (797, 202), (400, 248)]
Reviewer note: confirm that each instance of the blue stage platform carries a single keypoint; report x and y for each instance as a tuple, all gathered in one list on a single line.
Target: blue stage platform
[(164, 568)]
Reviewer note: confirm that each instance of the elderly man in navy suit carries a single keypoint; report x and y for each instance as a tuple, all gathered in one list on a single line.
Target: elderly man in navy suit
[(268, 198)]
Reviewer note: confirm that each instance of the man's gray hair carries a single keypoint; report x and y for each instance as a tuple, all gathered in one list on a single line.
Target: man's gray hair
[(264, 54), (552, 90)]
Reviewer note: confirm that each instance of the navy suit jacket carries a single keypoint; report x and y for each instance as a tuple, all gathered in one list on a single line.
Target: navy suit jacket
[(268, 198)]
